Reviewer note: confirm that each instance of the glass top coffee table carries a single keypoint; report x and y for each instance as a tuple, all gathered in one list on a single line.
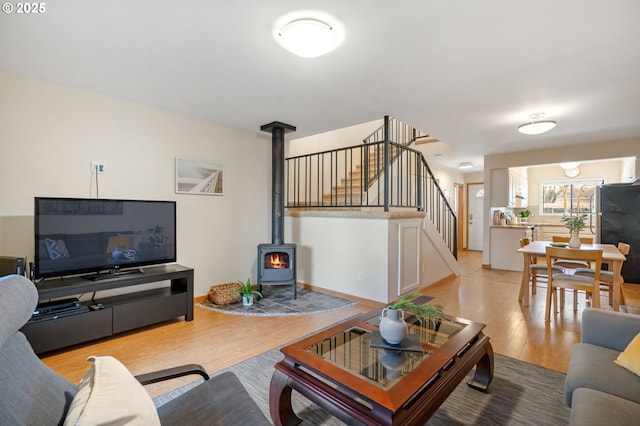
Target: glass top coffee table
[(341, 371)]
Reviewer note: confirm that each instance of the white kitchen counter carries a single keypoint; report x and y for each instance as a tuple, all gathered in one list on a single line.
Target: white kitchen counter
[(505, 241), (519, 226)]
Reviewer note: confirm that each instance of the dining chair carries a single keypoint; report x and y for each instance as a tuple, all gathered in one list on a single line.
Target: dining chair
[(606, 277), (565, 262), (568, 264), (590, 285), (538, 270), (563, 239)]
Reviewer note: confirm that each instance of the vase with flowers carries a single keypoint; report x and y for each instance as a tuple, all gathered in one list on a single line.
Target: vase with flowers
[(575, 224), (393, 327)]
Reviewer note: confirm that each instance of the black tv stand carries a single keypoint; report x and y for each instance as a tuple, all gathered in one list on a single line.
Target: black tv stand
[(113, 273), (138, 308)]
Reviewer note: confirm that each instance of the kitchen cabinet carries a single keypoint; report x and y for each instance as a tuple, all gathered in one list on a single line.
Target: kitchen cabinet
[(508, 188)]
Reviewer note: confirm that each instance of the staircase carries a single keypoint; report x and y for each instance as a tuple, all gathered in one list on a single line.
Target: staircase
[(352, 190), (382, 172)]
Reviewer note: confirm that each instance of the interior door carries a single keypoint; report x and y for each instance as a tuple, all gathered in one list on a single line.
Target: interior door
[(475, 194)]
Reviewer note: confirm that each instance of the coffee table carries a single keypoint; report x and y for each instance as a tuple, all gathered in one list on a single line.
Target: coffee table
[(340, 371)]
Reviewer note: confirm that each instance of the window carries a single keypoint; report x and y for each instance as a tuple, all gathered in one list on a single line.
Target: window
[(564, 197)]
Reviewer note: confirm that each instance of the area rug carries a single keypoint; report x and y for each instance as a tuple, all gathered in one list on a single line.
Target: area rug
[(279, 301), (521, 394)]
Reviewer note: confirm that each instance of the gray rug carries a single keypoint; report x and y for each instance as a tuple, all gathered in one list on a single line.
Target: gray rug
[(279, 301), (520, 394)]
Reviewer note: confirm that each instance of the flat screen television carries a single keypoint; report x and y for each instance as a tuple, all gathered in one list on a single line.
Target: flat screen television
[(101, 237)]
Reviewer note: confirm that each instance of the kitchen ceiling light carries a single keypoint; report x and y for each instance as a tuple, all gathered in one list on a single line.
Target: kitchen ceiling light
[(571, 173), (537, 124), (307, 37), (571, 165), (571, 169), (465, 165)]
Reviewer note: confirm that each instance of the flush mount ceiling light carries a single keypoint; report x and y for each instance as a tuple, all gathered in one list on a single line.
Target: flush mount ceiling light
[(571, 169), (571, 165), (537, 124), (308, 37), (465, 165)]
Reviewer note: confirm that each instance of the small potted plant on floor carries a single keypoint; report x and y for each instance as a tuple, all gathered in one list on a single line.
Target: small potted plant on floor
[(392, 325), (247, 292), (575, 224)]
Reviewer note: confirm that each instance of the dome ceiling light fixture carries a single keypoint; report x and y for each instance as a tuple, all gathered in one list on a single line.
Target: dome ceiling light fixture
[(571, 170), (465, 165), (571, 165), (537, 124), (308, 37)]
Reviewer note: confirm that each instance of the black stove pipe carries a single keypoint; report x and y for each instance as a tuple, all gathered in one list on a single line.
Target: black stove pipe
[(277, 130)]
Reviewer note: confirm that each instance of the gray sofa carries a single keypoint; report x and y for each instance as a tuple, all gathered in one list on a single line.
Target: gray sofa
[(599, 391)]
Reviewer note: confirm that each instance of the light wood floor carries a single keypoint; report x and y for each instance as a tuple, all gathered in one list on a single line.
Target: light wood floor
[(217, 340)]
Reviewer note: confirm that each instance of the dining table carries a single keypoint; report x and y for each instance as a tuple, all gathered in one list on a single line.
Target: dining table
[(611, 256)]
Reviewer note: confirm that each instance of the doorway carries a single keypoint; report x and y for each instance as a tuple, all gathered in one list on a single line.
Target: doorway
[(475, 203)]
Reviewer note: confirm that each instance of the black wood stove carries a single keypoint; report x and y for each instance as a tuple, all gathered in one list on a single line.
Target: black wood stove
[(277, 261)]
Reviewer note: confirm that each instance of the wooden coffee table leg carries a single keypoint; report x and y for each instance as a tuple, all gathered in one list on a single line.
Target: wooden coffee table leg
[(280, 400), (484, 370)]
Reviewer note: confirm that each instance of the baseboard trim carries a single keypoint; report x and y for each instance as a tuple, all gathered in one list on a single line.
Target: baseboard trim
[(440, 281), (367, 302)]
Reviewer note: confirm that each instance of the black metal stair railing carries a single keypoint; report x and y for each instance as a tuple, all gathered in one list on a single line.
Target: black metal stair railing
[(380, 173), (438, 209)]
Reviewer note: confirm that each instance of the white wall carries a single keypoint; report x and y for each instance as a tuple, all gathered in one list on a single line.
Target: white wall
[(50, 133), (347, 255), (374, 255)]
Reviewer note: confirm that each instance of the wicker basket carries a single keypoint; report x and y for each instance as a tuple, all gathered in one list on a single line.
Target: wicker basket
[(223, 294)]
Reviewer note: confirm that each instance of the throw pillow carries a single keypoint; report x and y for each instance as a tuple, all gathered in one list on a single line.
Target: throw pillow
[(630, 357), (109, 395), (57, 249)]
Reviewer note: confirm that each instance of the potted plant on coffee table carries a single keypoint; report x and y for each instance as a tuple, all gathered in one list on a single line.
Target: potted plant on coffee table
[(575, 224), (392, 325), (247, 292)]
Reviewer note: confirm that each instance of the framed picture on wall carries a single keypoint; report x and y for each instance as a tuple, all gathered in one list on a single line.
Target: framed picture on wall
[(198, 177)]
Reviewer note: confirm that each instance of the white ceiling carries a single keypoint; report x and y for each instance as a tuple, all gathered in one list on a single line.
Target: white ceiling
[(467, 72)]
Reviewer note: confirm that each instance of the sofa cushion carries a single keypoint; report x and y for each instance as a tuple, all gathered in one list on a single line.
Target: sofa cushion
[(609, 329), (109, 395), (593, 367), (591, 407), (630, 357)]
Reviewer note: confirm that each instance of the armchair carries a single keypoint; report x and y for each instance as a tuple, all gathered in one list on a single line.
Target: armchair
[(33, 394)]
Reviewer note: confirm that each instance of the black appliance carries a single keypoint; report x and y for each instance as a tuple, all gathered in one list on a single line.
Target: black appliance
[(618, 209), (102, 237)]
